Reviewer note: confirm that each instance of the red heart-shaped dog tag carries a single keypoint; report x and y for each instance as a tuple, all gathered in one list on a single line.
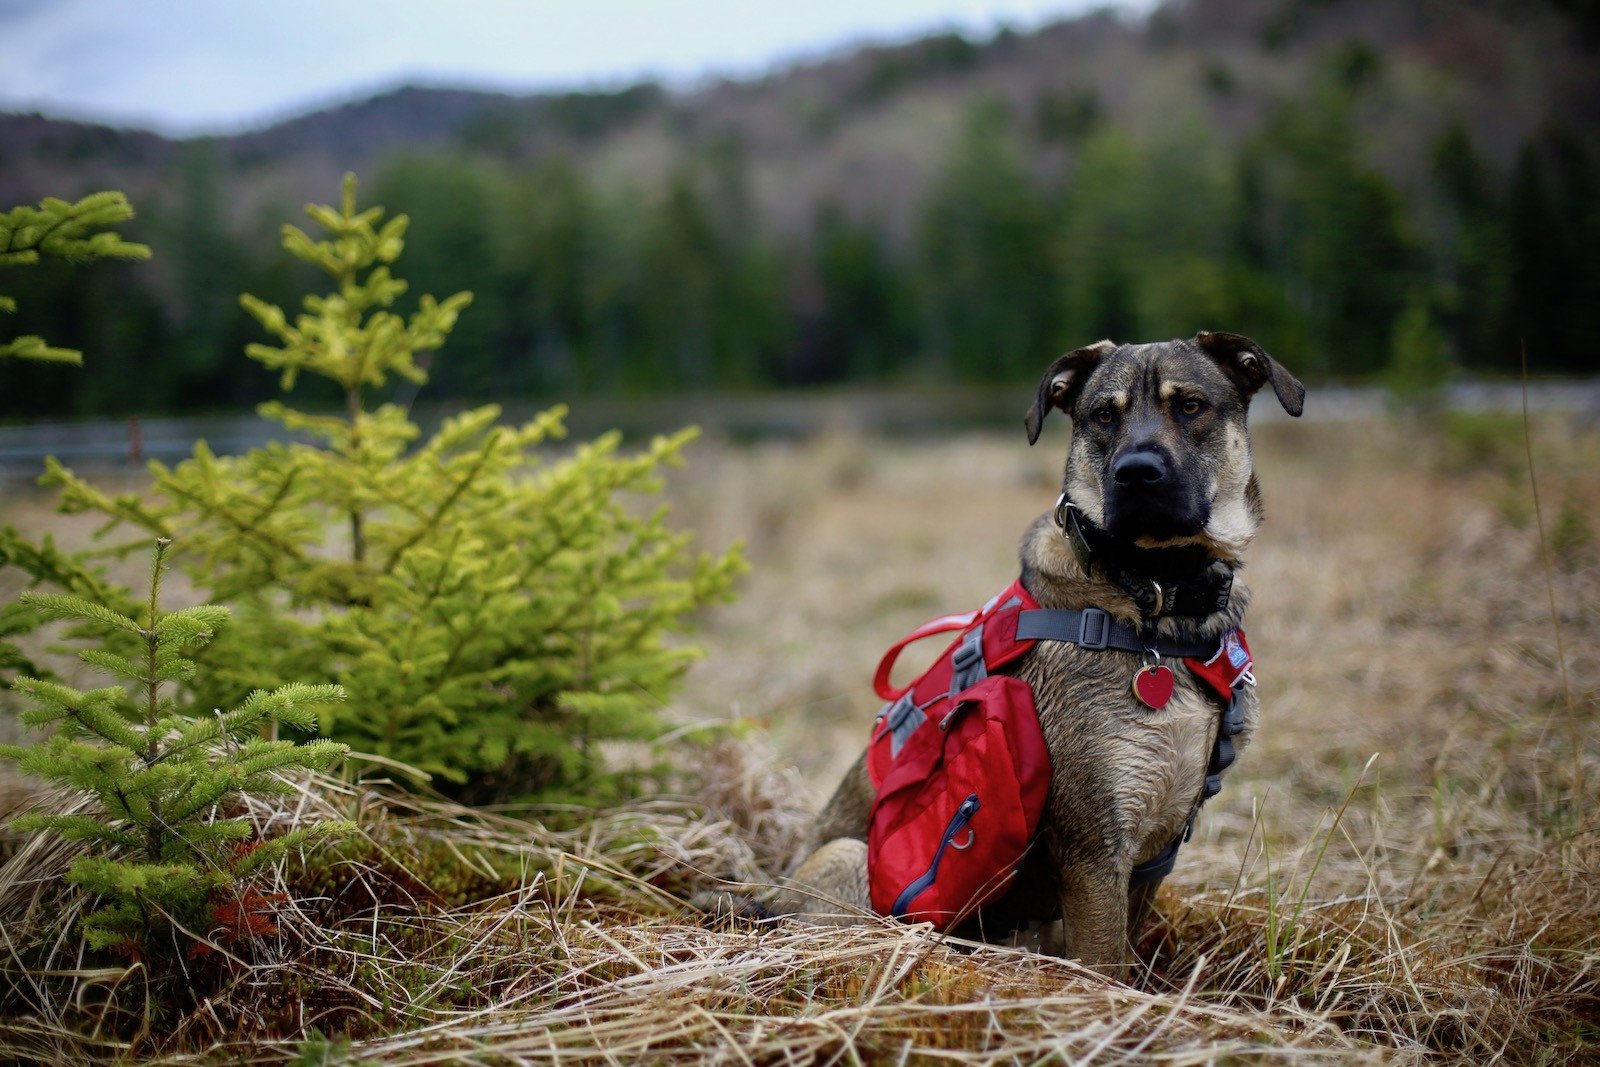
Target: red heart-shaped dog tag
[(1153, 685)]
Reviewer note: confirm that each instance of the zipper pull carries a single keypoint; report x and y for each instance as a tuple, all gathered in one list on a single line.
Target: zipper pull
[(950, 716)]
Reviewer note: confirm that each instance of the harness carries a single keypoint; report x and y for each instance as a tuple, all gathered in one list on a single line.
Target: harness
[(959, 762)]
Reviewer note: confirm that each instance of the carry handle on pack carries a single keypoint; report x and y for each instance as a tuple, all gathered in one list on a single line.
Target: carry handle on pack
[(942, 625)]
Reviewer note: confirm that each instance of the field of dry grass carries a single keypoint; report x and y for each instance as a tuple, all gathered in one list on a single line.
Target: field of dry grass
[(1404, 867)]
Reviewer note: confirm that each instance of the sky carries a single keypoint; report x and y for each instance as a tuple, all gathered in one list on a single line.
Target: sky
[(212, 66)]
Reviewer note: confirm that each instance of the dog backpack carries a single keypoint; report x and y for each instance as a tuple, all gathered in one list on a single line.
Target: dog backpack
[(960, 768), (959, 762)]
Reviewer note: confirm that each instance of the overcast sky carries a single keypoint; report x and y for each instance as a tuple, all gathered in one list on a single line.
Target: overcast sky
[(189, 66)]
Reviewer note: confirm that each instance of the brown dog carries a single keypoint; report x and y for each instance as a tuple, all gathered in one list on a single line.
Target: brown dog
[(1159, 470)]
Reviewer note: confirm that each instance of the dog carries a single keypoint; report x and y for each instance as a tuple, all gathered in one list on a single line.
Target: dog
[(1159, 472)]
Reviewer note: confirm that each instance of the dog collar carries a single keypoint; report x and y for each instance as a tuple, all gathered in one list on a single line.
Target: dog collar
[(1161, 581)]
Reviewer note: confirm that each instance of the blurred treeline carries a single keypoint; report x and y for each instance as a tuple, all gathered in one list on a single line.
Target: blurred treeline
[(1039, 226)]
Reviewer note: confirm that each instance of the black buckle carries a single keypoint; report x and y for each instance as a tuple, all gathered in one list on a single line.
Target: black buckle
[(1096, 621), (1233, 717)]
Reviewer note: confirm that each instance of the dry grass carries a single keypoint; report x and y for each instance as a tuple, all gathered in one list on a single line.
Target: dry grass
[(1441, 903)]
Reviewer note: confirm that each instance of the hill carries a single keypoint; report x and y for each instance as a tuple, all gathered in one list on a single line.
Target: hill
[(868, 127), (912, 210)]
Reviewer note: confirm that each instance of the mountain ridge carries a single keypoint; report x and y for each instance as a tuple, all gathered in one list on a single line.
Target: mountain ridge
[(1236, 56), (1367, 186)]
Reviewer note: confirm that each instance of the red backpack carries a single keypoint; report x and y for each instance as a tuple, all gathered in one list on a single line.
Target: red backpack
[(960, 765), (960, 768)]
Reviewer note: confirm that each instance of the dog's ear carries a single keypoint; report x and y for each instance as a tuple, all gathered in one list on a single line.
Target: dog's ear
[(1249, 366), (1062, 382)]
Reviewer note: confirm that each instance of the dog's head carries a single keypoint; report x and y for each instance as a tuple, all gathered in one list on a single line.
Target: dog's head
[(1160, 450)]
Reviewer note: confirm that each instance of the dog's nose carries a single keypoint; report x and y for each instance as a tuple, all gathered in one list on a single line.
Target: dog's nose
[(1140, 468)]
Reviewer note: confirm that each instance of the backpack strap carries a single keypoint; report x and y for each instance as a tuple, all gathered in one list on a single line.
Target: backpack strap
[(967, 667), (1095, 629), (943, 624), (1161, 866), (1222, 750)]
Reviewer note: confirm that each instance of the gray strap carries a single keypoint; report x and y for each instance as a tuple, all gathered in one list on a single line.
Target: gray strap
[(1222, 750), (1095, 629), (1157, 868), (904, 717), (967, 668)]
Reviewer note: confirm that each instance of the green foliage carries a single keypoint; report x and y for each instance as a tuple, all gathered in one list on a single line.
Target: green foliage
[(44, 563), (493, 612), (1145, 226), (1332, 232), (1572, 534), (894, 69), (983, 247), (1419, 363), (319, 1050), (160, 771), (77, 232), (1470, 252), (1483, 441), (1216, 197), (869, 321), (1067, 115), (1552, 224)]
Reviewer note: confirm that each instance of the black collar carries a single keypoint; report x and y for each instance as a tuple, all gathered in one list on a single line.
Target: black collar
[(1186, 580)]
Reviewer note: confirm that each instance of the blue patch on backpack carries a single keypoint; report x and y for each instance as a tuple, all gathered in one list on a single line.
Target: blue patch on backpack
[(1237, 656)]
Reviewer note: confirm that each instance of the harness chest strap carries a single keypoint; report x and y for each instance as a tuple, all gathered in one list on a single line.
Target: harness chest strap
[(1095, 629)]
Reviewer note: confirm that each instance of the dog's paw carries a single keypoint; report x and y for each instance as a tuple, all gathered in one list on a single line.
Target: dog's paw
[(1044, 938), (718, 906)]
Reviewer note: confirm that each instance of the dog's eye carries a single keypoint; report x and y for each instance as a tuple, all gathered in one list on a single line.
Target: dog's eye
[(1104, 416), (1192, 407)]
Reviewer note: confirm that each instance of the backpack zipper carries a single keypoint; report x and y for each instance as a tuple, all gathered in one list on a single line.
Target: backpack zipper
[(963, 815)]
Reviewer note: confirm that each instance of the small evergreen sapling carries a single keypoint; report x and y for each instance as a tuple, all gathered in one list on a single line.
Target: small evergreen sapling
[(492, 612), (162, 776)]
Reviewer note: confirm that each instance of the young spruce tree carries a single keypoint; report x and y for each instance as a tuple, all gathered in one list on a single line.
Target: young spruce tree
[(76, 232), (161, 773), (492, 611)]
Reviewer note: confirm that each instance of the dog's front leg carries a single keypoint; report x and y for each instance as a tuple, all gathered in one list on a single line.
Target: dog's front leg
[(828, 881), (830, 886), (1093, 883)]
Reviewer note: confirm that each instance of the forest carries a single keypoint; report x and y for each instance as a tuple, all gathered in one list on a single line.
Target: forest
[(1363, 227)]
